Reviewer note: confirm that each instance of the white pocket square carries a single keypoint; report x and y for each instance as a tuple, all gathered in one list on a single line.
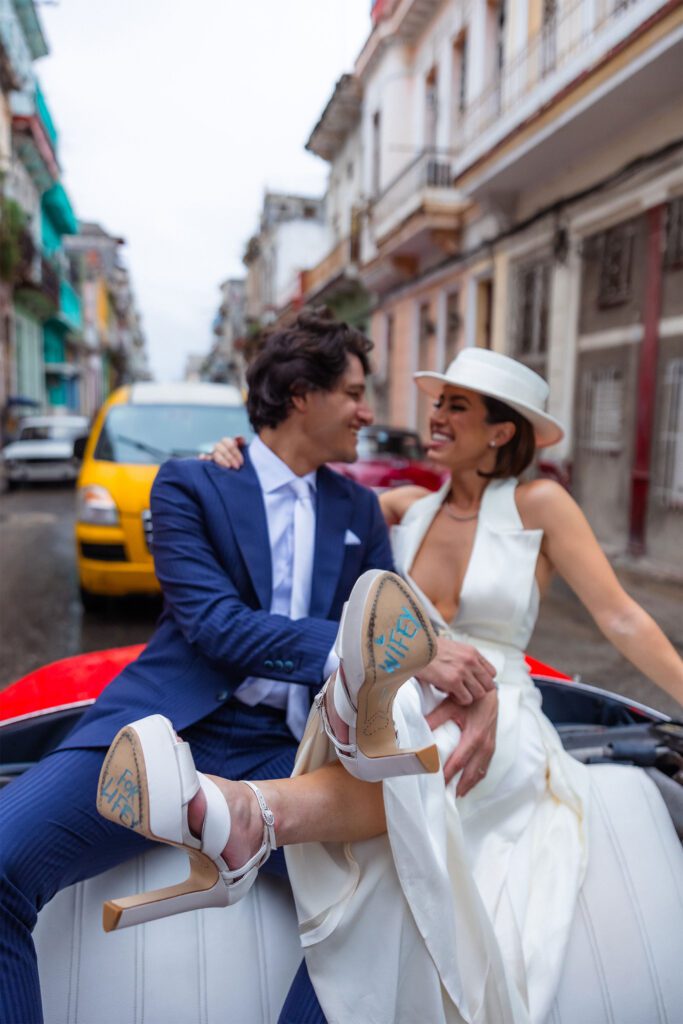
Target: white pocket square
[(350, 538)]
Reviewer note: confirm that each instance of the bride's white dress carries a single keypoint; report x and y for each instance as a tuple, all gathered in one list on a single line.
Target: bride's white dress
[(462, 911)]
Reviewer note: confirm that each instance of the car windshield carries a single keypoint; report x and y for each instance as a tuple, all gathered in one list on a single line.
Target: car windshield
[(152, 433), (386, 442), (52, 432)]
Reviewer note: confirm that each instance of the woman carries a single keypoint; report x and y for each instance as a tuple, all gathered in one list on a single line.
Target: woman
[(511, 853)]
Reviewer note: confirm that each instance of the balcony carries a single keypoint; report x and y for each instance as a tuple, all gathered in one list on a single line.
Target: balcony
[(327, 272), (392, 20), (37, 283), (70, 311), (19, 45), (595, 62), (35, 136), (419, 208)]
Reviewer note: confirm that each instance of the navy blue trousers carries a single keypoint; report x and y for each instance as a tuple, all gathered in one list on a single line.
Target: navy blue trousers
[(51, 836)]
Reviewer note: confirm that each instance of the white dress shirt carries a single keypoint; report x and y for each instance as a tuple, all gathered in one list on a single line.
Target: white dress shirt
[(275, 478)]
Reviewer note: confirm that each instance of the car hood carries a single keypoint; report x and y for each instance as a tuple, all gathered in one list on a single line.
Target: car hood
[(38, 450), (128, 483)]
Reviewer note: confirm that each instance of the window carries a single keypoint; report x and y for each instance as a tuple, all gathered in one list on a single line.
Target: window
[(484, 312), (549, 36), (425, 359), (461, 66), (389, 341), (531, 298), (674, 234), (601, 425), (669, 489), (376, 152), (500, 52), (615, 248), (426, 330), (453, 327), (431, 108)]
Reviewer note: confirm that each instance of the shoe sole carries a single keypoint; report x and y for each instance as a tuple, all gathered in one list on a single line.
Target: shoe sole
[(123, 796), (390, 639)]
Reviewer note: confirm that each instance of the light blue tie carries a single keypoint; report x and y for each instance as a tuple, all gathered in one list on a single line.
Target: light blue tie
[(298, 698)]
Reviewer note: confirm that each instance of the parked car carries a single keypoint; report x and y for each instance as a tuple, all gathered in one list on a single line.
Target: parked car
[(389, 457), (43, 450), (236, 963), (137, 429)]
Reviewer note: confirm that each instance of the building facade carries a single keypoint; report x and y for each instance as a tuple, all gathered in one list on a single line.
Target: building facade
[(520, 187), (50, 360), (293, 235), (113, 343), (225, 363)]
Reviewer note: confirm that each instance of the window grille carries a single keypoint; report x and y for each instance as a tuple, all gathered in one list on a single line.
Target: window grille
[(602, 411), (616, 266), (674, 234), (531, 309), (669, 491)]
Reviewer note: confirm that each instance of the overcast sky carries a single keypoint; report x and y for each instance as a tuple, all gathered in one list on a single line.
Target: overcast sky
[(174, 117)]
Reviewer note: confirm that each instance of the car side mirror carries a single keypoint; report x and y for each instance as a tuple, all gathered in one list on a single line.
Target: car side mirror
[(79, 447)]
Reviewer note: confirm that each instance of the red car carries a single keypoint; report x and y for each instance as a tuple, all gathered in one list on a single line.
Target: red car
[(389, 457)]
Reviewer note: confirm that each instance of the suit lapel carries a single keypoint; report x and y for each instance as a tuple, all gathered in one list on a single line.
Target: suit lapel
[(333, 514), (242, 497)]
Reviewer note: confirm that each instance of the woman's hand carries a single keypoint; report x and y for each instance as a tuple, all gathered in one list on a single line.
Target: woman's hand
[(477, 723), (227, 452)]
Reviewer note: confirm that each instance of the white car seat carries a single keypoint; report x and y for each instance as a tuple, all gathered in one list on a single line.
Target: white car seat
[(624, 963)]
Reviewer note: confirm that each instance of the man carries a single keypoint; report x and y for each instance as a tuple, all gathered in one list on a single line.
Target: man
[(227, 664)]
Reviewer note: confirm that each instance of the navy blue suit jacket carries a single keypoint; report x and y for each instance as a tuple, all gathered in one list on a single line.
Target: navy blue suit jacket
[(212, 557)]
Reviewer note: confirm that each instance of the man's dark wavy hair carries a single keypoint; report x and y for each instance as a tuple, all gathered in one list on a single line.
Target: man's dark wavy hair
[(309, 354)]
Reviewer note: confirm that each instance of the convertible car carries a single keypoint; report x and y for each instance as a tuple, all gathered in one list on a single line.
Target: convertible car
[(623, 963)]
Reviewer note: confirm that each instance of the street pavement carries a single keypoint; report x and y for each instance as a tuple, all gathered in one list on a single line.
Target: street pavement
[(42, 619)]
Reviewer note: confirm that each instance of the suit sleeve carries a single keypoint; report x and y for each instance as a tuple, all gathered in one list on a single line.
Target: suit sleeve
[(206, 604), (378, 554)]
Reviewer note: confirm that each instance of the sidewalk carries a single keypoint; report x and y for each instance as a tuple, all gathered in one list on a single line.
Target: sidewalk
[(566, 637)]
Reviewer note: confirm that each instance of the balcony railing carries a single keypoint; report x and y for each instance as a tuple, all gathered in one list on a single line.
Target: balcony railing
[(565, 39), (426, 181)]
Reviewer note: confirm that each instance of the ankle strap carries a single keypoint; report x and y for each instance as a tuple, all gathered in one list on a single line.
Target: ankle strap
[(266, 813)]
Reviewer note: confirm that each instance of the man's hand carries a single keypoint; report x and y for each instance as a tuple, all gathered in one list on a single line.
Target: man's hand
[(477, 744), (459, 670), (227, 452)]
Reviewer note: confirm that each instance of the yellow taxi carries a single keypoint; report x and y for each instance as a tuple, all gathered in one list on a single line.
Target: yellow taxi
[(138, 428)]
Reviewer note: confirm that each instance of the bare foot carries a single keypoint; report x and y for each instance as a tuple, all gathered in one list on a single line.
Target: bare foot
[(246, 823), (337, 724)]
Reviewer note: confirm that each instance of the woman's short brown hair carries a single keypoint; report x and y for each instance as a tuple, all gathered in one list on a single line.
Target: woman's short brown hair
[(309, 354), (518, 454)]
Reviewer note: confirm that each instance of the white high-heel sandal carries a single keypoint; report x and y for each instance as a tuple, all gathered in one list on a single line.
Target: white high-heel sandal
[(147, 781), (384, 638)]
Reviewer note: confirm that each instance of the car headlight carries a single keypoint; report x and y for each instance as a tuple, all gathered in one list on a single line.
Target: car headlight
[(96, 506)]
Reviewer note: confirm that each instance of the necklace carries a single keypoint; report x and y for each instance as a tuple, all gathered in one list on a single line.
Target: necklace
[(458, 519)]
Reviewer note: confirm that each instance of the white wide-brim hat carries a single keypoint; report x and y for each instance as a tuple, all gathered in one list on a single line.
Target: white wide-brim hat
[(490, 373)]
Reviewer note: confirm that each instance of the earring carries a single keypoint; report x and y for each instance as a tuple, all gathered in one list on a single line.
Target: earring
[(492, 444)]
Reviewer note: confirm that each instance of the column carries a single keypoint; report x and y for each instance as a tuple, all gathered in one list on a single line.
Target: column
[(647, 379)]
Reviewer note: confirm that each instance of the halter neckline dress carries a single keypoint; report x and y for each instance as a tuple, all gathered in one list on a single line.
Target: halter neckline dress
[(462, 911)]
